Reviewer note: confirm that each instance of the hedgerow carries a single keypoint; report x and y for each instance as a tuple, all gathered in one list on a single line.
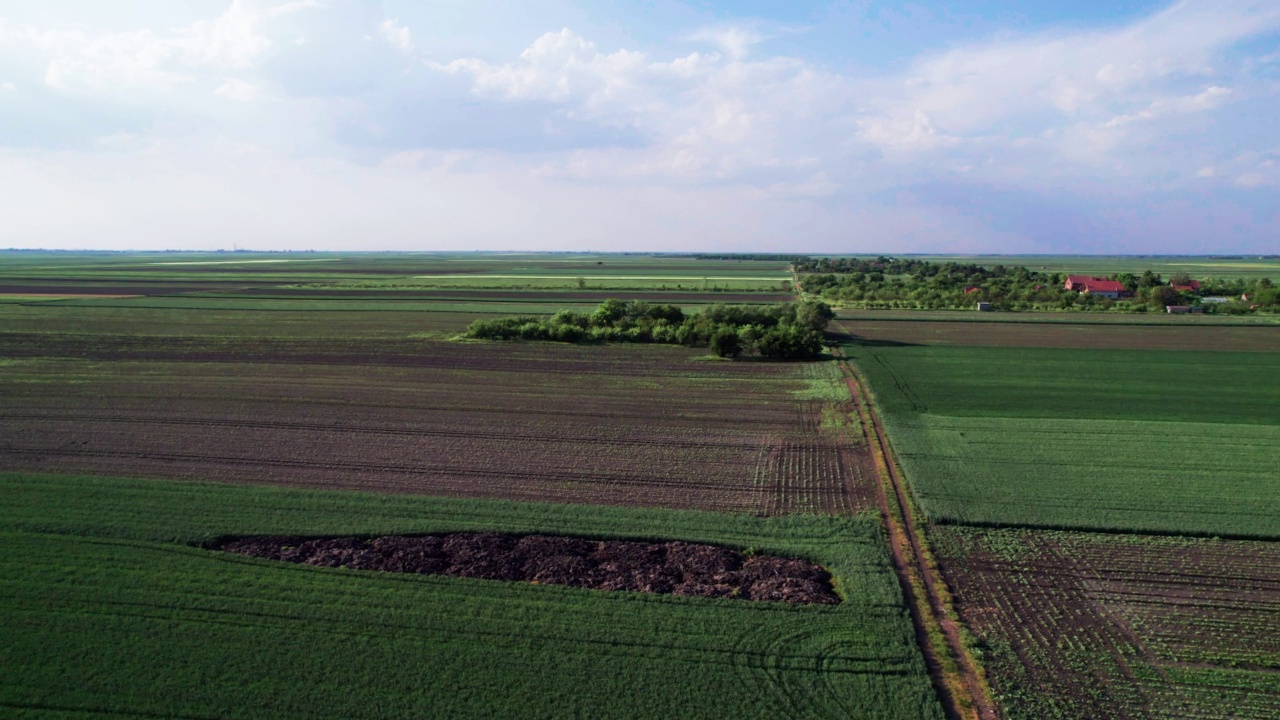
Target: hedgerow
[(784, 331)]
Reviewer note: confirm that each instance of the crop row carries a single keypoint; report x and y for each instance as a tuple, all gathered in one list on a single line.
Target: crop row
[(691, 437), (1083, 625)]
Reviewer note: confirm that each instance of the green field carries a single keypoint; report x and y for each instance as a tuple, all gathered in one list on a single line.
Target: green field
[(113, 610), (1089, 438), (381, 270)]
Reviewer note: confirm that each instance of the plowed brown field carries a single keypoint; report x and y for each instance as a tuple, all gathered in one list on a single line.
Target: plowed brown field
[(1258, 338), (648, 426), (549, 296)]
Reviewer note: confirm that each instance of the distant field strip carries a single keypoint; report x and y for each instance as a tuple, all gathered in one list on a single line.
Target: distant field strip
[(589, 276), (241, 262), (1059, 333), (111, 609), (569, 280)]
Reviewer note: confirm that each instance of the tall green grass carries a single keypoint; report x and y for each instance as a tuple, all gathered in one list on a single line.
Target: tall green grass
[(112, 608)]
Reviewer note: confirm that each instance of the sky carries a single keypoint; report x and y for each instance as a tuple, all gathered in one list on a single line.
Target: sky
[(973, 126)]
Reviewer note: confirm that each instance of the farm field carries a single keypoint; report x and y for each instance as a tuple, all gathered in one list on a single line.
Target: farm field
[(317, 295), (115, 610), (257, 396), (1089, 625), (150, 404), (647, 426), (1085, 438), (1164, 437), (598, 282), (1218, 336), (969, 317), (374, 271)]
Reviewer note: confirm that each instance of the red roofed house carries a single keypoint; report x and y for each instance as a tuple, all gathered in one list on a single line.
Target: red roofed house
[(1095, 286), (1191, 286), (972, 289)]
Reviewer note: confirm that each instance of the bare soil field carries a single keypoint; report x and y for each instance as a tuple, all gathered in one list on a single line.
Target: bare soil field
[(1086, 625), (68, 327), (1065, 335), (550, 296), (646, 426), (670, 568)]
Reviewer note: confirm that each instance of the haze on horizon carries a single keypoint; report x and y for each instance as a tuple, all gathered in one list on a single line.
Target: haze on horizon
[(1098, 127)]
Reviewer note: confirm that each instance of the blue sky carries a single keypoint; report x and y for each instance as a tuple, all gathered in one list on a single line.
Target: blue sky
[(855, 126)]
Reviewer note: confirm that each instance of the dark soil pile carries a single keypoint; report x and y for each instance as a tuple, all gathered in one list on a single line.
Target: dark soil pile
[(674, 568)]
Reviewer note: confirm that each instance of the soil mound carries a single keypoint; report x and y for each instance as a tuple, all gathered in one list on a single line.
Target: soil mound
[(674, 568)]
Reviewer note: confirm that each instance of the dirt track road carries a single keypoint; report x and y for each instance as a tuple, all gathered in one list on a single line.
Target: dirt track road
[(960, 684)]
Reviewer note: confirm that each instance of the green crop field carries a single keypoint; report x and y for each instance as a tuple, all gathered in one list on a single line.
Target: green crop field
[(113, 610), (1183, 441), (375, 269)]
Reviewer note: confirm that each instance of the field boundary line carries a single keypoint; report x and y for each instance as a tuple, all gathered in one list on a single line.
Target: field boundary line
[(959, 679)]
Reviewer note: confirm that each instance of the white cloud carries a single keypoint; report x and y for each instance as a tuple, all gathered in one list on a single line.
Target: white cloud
[(103, 62), (1005, 89), (238, 90), (902, 134), (1020, 106), (1213, 97), (723, 143), (397, 35), (733, 41), (557, 66), (1253, 180), (701, 116)]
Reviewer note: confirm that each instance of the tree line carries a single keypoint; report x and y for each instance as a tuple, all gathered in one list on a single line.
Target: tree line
[(919, 284), (783, 331)]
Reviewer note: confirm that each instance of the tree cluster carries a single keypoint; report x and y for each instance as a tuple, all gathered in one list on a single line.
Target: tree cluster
[(919, 284), (784, 331)]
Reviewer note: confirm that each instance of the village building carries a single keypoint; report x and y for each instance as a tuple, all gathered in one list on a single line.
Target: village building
[(984, 307), (1192, 286), (1177, 309), (1096, 286)]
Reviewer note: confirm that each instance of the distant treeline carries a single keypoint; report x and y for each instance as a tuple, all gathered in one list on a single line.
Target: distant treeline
[(785, 330), (888, 282)]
